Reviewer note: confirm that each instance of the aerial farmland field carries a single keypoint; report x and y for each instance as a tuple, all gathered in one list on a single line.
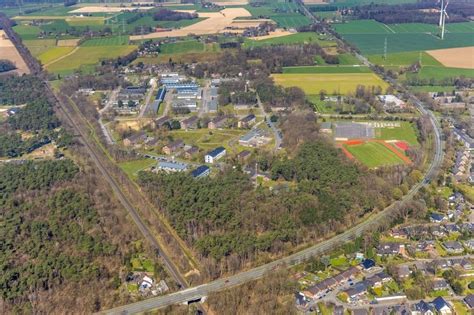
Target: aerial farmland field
[(327, 69), (333, 83), (88, 56), (369, 36)]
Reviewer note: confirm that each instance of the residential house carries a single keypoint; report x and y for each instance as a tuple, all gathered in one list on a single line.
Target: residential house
[(440, 284), (301, 300), (378, 279), (135, 139), (162, 122), (441, 306), (469, 301), (469, 244), (422, 308), (368, 264), (191, 152), (386, 249), (201, 171), (399, 233), (354, 293), (172, 167), (173, 147), (453, 247), (217, 122), (425, 246), (254, 138), (403, 271), (438, 218), (247, 121), (215, 155), (190, 123)]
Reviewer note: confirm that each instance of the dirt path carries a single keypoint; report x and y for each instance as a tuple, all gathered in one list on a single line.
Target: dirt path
[(61, 58)]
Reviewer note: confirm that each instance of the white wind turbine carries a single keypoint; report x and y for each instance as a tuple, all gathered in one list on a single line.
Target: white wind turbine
[(442, 17)]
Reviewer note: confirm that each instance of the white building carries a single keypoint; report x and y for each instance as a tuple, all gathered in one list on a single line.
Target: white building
[(214, 155)]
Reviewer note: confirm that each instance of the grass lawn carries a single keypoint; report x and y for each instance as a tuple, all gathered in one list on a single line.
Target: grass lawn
[(333, 83), (327, 69), (405, 132), (131, 168), (209, 139), (374, 154), (468, 191), (88, 57), (142, 264), (54, 53), (339, 261), (460, 308)]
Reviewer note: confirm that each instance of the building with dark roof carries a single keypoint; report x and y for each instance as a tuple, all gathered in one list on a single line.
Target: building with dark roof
[(201, 171), (215, 155)]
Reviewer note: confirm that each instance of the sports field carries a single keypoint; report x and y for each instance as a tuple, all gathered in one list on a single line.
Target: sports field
[(374, 154), (369, 36), (406, 132), (333, 83)]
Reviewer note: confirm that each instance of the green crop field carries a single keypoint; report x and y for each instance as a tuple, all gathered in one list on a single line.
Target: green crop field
[(298, 38), (444, 72), (327, 69), (405, 59), (39, 46), (53, 54), (406, 132), (369, 36), (27, 31), (374, 154), (106, 41), (333, 83), (182, 47), (284, 14), (87, 57)]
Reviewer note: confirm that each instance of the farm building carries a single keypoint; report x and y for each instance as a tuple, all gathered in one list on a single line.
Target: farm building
[(346, 131), (215, 155)]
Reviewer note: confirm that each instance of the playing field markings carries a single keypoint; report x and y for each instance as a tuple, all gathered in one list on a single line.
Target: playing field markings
[(388, 27)]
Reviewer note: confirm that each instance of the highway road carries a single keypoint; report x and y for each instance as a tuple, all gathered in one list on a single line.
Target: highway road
[(82, 133), (370, 224)]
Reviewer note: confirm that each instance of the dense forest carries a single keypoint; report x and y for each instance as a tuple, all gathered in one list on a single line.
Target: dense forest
[(230, 223), (36, 117), (170, 15), (61, 233)]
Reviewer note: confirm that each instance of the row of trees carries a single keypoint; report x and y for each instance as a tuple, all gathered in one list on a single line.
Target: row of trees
[(170, 15)]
